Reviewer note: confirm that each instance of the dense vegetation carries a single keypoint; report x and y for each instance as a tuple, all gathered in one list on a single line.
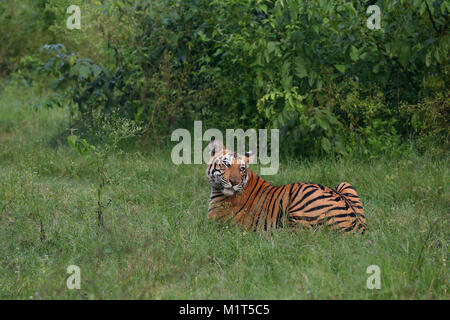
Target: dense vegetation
[(310, 68)]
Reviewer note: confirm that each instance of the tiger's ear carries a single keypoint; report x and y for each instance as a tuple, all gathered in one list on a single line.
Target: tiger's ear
[(249, 156), (215, 147)]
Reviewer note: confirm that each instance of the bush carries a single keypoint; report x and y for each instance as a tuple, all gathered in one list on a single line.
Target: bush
[(312, 69), (429, 122)]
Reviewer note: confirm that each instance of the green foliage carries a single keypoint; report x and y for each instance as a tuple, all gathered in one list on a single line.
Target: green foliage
[(88, 84), (109, 132), (430, 122), (21, 32), (294, 65)]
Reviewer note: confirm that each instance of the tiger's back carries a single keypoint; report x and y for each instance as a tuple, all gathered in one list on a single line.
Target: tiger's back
[(339, 208)]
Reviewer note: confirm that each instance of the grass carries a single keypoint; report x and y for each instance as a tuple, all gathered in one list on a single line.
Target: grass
[(158, 244)]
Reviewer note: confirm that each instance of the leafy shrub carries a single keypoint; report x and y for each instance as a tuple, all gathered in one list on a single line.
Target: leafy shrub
[(429, 122), (312, 69)]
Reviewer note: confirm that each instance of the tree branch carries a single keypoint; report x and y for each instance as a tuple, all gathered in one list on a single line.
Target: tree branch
[(431, 18)]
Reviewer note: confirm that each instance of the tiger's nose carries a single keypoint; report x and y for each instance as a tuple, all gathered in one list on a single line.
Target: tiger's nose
[(233, 182)]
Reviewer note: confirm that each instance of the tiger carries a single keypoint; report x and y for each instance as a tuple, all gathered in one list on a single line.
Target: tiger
[(240, 196)]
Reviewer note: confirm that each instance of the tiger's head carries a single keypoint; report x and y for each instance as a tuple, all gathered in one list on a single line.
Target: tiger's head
[(227, 171)]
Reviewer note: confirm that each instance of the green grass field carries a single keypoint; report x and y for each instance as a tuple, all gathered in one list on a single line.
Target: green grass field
[(157, 243)]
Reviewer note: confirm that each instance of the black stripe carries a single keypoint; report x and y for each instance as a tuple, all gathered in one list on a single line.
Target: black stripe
[(348, 187), (256, 194), (335, 223), (290, 190), (216, 196), (268, 207), (305, 218), (340, 208), (352, 226), (296, 193), (308, 202), (249, 196), (318, 208), (351, 195), (263, 197), (280, 212), (258, 214), (309, 186), (303, 198), (321, 187), (276, 200), (343, 215), (209, 168)]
